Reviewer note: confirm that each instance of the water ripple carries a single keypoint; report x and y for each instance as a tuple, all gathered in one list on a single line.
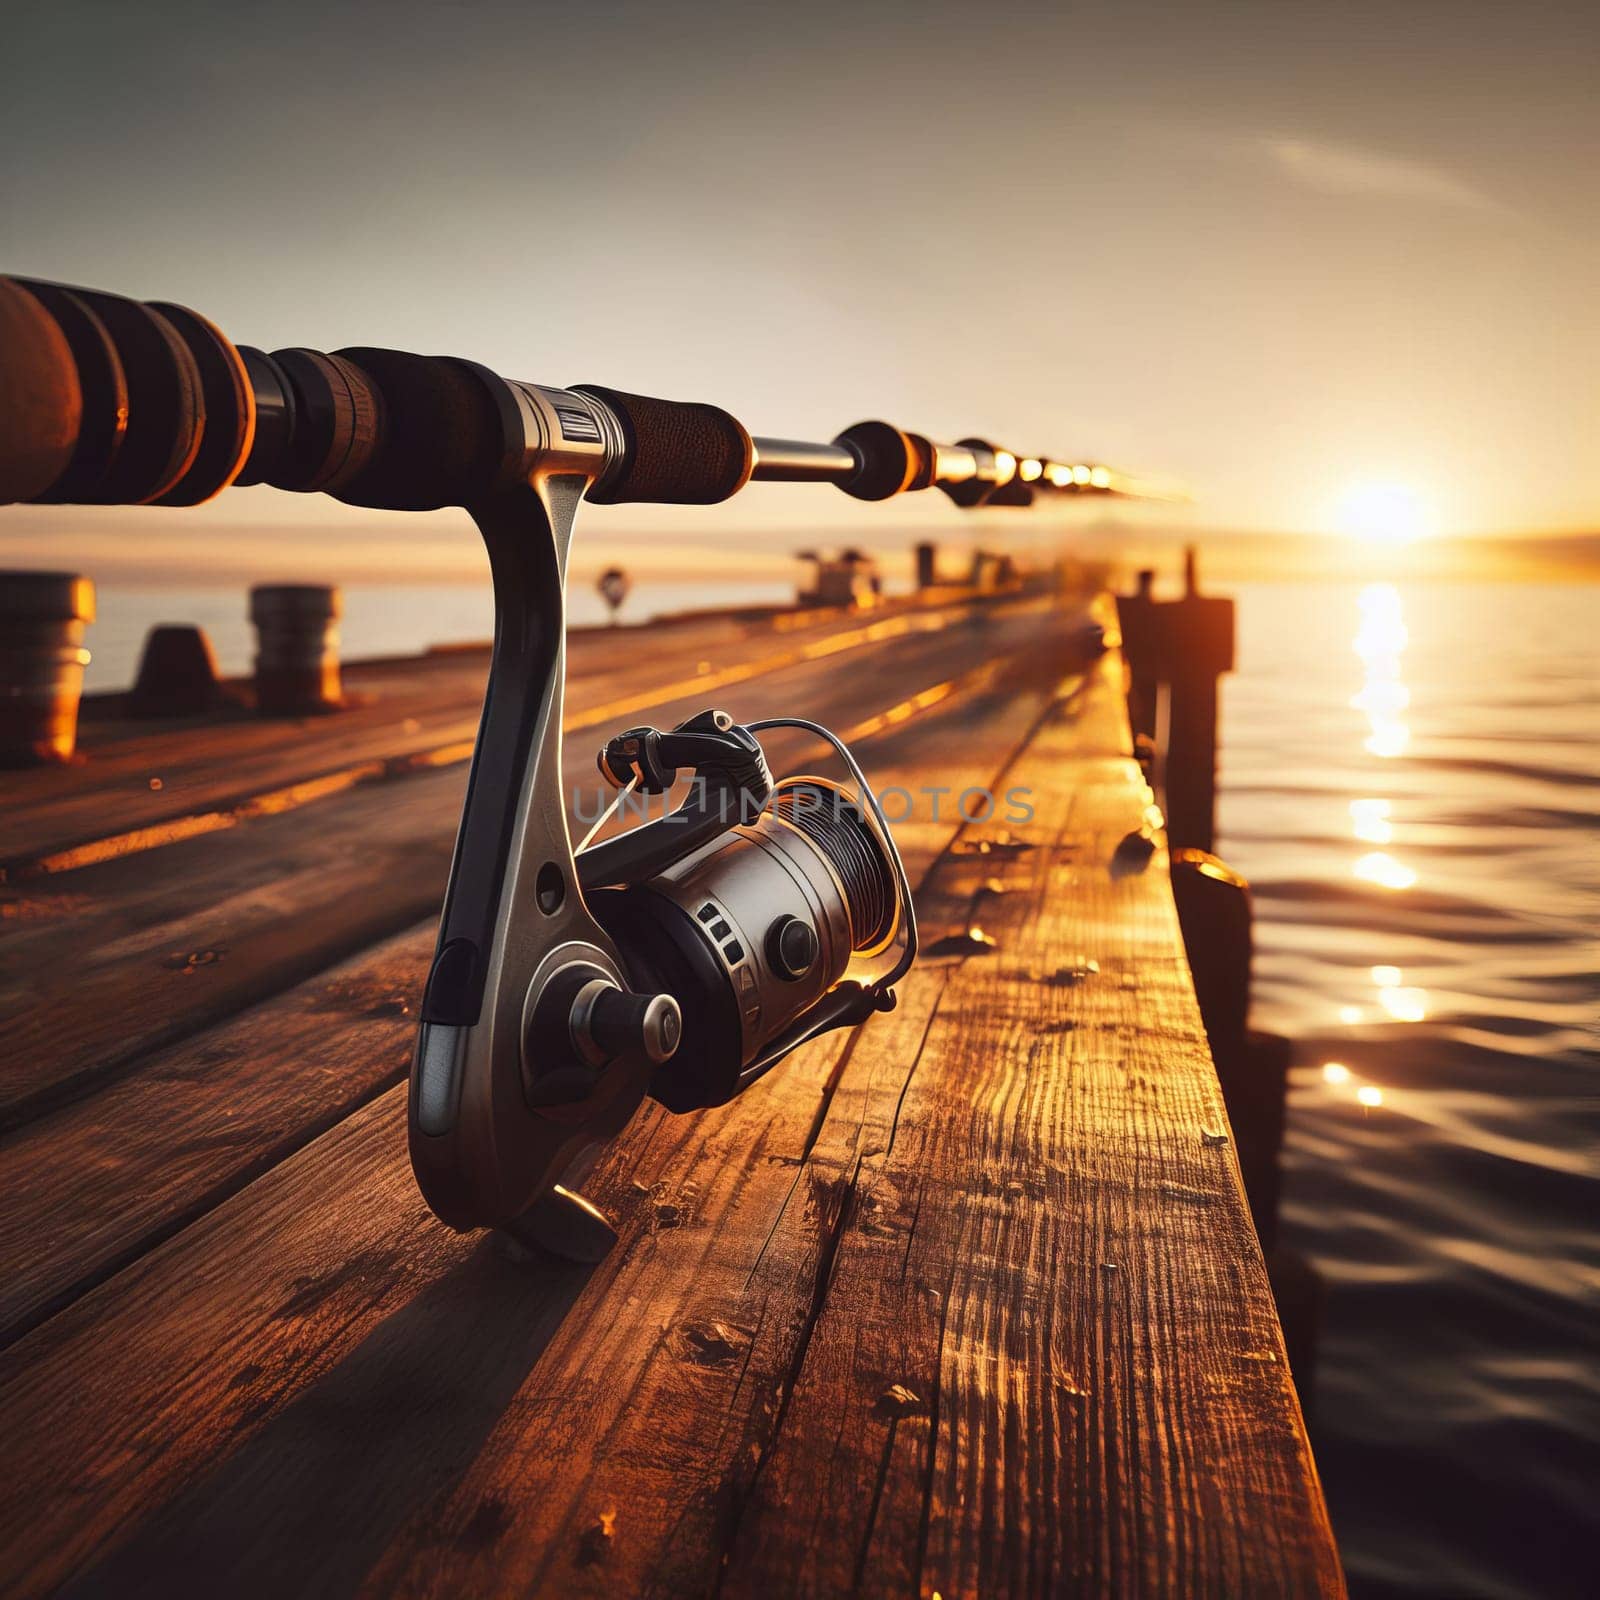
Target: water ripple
[(1457, 1413)]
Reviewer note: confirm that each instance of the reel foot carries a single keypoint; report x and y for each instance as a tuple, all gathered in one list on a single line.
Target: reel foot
[(564, 1224)]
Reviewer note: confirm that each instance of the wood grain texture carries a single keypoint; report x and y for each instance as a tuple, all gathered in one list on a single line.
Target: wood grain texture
[(1047, 1360), (97, 1181), (107, 963), (965, 1302), (187, 1385), (399, 710)]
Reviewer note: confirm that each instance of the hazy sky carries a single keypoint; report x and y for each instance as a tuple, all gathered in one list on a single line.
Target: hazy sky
[(1272, 250)]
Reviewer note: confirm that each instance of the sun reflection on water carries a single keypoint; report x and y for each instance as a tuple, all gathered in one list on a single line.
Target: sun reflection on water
[(1403, 1001), (1405, 1005), (1369, 819), (1381, 868), (1380, 642), (1338, 1077), (1383, 697)]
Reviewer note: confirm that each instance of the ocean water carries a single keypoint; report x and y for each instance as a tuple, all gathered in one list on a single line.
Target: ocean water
[(1411, 782)]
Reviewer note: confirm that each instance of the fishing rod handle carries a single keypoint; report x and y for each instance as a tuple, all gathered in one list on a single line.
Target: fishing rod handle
[(105, 400)]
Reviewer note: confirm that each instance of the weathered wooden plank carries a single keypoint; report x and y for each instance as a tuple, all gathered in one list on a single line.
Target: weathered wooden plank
[(1025, 1496), (96, 1182), (315, 1388), (137, 952), (301, 1274), (401, 710), (203, 763), (125, 959), (1047, 1359)]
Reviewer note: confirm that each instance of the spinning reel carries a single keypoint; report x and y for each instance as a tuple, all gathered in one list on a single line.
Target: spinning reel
[(739, 923), (682, 959), (732, 930)]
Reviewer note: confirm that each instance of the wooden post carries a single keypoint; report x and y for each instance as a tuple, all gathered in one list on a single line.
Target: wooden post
[(1136, 616), (927, 564), (42, 618), (1216, 916), (177, 673), (297, 647), (1200, 633)]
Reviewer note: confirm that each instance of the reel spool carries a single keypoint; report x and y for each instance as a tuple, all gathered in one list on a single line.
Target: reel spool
[(761, 931)]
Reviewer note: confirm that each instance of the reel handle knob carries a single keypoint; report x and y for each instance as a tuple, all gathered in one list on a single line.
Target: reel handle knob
[(608, 1022)]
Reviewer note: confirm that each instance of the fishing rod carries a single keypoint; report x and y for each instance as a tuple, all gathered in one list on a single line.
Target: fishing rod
[(682, 959), (108, 401)]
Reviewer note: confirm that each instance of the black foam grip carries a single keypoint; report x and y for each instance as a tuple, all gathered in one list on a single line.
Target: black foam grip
[(100, 382), (444, 442), (228, 409), (41, 405), (677, 452), (890, 460), (165, 407)]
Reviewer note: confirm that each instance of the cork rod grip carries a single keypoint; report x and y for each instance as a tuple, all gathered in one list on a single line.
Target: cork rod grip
[(41, 403), (130, 403)]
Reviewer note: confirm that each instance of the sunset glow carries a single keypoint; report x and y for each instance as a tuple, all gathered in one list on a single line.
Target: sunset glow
[(557, 558), (1384, 513)]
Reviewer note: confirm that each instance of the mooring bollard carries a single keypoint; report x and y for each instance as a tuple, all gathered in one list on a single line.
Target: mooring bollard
[(297, 647), (42, 618), (178, 674)]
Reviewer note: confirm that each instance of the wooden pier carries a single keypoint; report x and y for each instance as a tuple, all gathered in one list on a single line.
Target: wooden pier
[(967, 1303)]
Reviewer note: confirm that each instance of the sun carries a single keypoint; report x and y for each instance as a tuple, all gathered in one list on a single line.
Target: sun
[(1384, 513)]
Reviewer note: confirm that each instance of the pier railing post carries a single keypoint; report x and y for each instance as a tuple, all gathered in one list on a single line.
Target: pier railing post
[(42, 618), (297, 647), (1217, 918), (1141, 649), (1200, 649)]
